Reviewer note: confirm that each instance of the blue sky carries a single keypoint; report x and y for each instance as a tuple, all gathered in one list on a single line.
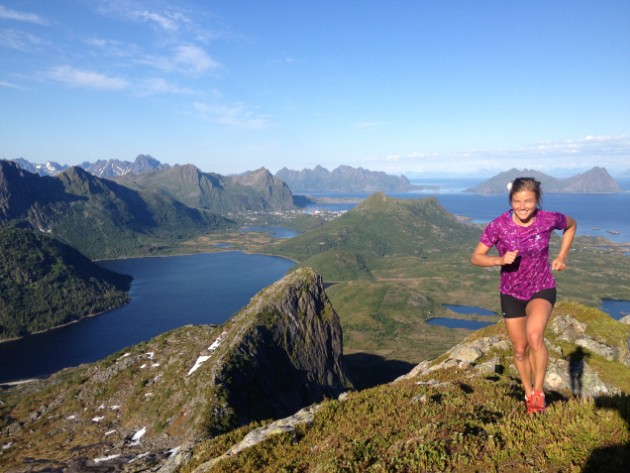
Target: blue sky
[(431, 87)]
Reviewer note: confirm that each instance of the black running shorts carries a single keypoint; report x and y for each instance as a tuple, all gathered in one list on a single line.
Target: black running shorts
[(511, 307)]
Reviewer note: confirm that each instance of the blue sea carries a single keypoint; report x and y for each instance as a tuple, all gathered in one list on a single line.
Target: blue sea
[(601, 215)]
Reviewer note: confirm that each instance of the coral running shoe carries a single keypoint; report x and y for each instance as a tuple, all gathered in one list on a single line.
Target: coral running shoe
[(535, 402)]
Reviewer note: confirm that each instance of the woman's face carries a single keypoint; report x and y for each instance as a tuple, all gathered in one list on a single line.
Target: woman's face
[(524, 206)]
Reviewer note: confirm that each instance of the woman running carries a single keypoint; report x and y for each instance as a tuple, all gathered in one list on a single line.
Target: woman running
[(527, 286)]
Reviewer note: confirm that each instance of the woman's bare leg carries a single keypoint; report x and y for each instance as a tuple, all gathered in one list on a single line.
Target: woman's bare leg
[(517, 331), (538, 313)]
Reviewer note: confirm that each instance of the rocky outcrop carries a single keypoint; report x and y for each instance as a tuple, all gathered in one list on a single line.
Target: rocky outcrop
[(571, 330), (144, 408), (571, 343)]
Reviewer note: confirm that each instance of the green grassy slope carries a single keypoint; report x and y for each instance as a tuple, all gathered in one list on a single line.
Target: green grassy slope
[(456, 418)]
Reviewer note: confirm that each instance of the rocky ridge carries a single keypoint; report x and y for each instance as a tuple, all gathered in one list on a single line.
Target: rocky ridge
[(145, 407), (486, 354)]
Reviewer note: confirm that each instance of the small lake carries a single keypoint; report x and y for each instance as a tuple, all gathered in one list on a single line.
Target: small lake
[(616, 308), (167, 292), (451, 322)]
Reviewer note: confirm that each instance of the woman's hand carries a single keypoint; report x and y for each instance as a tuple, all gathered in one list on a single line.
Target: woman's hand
[(480, 257), (509, 257), (559, 264)]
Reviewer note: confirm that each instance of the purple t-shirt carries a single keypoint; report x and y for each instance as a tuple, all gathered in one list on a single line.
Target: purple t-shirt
[(531, 271)]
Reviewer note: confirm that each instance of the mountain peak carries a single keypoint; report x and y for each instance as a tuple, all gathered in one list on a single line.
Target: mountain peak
[(596, 180)]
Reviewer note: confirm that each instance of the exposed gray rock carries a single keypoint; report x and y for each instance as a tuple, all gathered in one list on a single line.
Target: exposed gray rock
[(594, 346), (489, 367), (567, 328), (466, 353), (580, 379), (288, 424)]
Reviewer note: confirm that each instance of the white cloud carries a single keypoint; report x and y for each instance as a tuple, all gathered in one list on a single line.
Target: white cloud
[(113, 48), (168, 24), (84, 78), (186, 58), (9, 85), (194, 59), (6, 14), (20, 40), (237, 116), (201, 108), (574, 155)]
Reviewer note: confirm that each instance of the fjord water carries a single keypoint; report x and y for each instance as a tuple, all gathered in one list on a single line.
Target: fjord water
[(166, 293)]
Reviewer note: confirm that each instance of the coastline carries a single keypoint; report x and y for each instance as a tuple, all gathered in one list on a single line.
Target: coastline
[(80, 319)]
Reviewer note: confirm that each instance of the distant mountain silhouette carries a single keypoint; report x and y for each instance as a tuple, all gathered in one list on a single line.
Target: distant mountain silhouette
[(342, 179), (101, 168), (597, 180)]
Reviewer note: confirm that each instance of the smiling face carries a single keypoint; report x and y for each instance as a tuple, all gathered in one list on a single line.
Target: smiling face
[(524, 204)]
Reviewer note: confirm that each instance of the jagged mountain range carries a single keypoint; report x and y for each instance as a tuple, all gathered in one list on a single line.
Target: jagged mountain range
[(342, 179), (318, 179), (99, 217), (596, 180), (100, 168), (256, 190)]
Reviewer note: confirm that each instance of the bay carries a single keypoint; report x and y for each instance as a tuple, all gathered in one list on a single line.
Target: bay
[(166, 292)]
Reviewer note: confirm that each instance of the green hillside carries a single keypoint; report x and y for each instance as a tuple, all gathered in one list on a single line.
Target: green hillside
[(44, 283), (391, 264), (380, 228)]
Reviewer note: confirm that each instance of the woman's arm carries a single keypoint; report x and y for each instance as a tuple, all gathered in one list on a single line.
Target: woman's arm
[(481, 257), (560, 262)]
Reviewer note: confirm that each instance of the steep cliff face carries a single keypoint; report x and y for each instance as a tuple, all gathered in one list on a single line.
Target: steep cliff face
[(279, 354), (292, 336)]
